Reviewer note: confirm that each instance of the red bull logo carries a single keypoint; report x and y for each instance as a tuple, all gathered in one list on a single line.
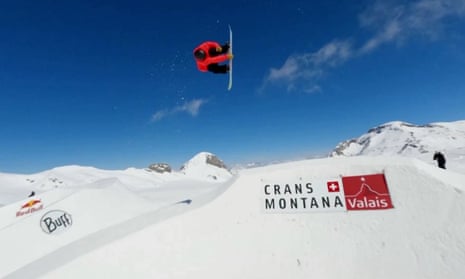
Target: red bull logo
[(30, 207)]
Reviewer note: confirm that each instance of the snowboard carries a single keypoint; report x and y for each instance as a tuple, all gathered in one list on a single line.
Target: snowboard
[(230, 60)]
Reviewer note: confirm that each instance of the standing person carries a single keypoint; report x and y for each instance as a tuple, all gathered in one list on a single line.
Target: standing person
[(438, 156), (209, 54)]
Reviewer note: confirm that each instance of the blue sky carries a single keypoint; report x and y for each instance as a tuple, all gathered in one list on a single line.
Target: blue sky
[(112, 84)]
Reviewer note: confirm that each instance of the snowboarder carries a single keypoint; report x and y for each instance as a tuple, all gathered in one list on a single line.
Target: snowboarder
[(438, 156), (209, 54)]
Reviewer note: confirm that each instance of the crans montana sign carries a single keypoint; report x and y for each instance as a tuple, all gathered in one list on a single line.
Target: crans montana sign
[(300, 195), (303, 195)]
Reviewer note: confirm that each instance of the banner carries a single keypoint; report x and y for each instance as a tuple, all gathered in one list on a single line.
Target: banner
[(304, 195), (366, 192)]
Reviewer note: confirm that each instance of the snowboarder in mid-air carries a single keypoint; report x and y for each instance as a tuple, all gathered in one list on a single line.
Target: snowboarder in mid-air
[(209, 54)]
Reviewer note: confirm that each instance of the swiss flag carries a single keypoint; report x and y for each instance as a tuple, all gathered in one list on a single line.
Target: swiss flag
[(333, 186)]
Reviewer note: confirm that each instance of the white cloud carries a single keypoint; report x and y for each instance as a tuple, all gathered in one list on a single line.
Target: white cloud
[(287, 71), (309, 67), (390, 32), (192, 108), (331, 54), (397, 23), (388, 22)]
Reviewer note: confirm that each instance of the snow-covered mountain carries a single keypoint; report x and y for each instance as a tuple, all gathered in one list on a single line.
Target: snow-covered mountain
[(380, 214), (405, 139), (190, 228), (206, 166), (203, 166)]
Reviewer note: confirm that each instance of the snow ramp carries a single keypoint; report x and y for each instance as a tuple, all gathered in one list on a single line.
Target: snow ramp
[(44, 232), (293, 220)]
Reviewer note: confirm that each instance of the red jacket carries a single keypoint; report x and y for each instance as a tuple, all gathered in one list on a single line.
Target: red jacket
[(202, 65)]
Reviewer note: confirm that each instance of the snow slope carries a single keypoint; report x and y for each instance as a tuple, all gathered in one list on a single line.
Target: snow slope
[(15, 187), (410, 140), (231, 235), (206, 222), (35, 238)]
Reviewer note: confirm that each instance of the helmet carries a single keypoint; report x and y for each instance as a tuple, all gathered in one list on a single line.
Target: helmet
[(200, 54)]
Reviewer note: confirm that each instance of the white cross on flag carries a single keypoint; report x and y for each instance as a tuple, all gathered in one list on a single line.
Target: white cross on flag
[(333, 186)]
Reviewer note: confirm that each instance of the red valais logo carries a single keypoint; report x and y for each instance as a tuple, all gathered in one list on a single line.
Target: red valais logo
[(366, 192)]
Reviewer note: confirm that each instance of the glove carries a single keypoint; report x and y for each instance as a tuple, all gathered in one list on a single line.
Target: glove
[(218, 49), (230, 56)]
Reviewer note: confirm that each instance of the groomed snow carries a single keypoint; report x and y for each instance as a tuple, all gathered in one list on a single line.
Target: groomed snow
[(120, 231)]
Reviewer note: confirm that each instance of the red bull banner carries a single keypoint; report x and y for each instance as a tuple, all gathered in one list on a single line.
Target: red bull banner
[(29, 207)]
